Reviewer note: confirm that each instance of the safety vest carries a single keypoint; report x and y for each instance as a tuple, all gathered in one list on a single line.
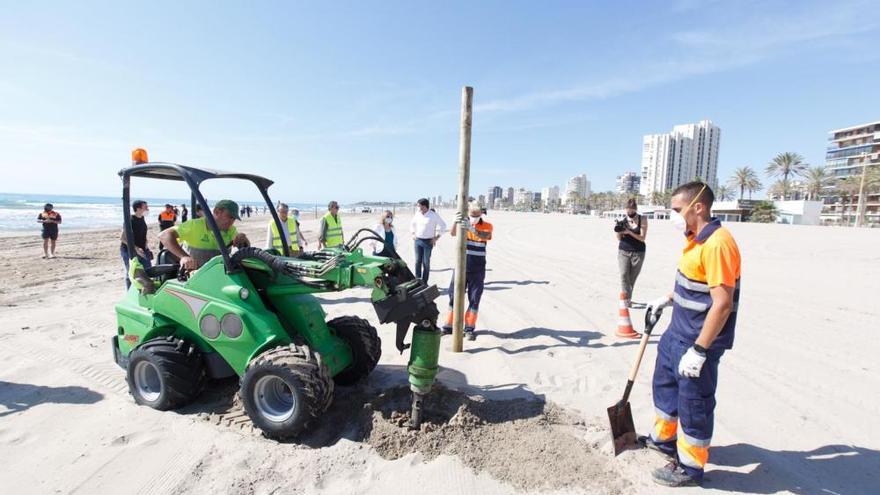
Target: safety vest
[(167, 216), (334, 230), (276, 237), (712, 253)]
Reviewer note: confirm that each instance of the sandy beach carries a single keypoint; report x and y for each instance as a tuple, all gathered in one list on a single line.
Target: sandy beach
[(797, 395)]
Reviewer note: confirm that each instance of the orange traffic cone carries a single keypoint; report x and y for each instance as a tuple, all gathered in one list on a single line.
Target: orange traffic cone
[(624, 324)]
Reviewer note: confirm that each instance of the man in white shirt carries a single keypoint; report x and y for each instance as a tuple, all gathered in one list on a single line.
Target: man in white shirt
[(426, 227)]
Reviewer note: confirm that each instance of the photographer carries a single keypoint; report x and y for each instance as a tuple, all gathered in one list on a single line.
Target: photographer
[(631, 232)]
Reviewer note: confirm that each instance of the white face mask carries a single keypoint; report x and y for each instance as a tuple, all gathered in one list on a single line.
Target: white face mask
[(388, 220), (474, 220), (678, 221)]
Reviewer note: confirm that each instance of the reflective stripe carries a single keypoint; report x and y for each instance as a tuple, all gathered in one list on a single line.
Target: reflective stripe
[(661, 414), (696, 442), (664, 431), (688, 304), (690, 284), (476, 253), (692, 455), (476, 243)]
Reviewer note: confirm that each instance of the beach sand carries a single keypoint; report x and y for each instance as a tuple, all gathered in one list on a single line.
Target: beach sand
[(521, 410)]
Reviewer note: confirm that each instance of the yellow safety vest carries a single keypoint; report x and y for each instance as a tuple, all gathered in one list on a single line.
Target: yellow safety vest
[(334, 231), (276, 237)]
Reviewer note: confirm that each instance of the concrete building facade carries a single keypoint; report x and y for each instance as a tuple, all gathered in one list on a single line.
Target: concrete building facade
[(628, 183), (850, 151), (687, 153)]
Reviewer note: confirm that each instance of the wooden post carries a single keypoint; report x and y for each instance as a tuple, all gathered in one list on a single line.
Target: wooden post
[(464, 177)]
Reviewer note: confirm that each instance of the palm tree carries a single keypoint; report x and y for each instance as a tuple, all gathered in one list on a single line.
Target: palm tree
[(785, 165), (724, 193), (754, 186), (656, 198), (777, 189), (744, 178), (848, 188), (816, 179)]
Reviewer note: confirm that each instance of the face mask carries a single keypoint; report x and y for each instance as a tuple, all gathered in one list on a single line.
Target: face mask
[(631, 215), (678, 220), (388, 220), (296, 216), (474, 220)]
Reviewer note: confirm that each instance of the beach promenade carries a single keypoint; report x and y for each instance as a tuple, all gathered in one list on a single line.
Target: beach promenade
[(797, 402)]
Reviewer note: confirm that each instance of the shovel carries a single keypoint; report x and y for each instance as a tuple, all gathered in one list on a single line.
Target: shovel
[(623, 431)]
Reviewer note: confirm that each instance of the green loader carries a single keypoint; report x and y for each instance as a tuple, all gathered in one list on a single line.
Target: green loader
[(253, 313)]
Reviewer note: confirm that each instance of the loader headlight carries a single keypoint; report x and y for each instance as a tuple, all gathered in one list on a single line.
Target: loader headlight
[(231, 325), (243, 293), (210, 326)]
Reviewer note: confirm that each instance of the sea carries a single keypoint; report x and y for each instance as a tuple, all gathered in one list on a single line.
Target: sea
[(18, 212)]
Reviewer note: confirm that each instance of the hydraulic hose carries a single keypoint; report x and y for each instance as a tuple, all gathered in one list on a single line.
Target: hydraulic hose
[(276, 263)]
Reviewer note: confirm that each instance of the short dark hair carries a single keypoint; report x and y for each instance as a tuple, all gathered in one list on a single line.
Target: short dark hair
[(332, 204), (138, 205), (691, 189), (631, 203), (423, 202)]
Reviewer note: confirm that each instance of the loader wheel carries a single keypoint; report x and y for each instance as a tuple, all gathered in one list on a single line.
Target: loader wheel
[(284, 389), (365, 344), (165, 373)]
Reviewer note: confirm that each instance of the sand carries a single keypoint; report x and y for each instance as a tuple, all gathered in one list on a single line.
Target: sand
[(522, 410)]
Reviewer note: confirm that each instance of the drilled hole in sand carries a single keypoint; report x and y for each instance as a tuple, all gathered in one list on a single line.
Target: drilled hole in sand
[(529, 444)]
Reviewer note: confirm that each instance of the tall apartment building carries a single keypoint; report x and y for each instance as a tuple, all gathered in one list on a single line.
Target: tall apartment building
[(495, 192), (550, 195), (579, 184), (510, 195), (687, 153), (628, 183), (848, 151)]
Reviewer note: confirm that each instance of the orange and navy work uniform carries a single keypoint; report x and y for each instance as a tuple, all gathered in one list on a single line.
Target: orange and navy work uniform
[(475, 274), (709, 260), (50, 230)]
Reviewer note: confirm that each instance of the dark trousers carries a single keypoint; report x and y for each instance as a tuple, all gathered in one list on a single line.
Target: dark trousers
[(688, 401), (145, 262), (423, 259), (474, 281)]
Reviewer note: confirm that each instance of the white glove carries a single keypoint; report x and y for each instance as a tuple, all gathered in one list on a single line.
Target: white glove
[(691, 363), (657, 305)]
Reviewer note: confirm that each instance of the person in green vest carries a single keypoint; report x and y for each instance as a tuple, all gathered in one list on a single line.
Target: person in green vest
[(331, 227), (290, 225), (194, 242)]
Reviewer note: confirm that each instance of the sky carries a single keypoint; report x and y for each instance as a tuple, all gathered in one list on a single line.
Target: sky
[(361, 100)]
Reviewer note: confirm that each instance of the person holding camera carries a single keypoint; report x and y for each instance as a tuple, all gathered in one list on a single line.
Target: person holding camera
[(631, 232)]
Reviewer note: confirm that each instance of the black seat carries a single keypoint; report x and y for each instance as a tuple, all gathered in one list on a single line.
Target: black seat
[(166, 257), (162, 270)]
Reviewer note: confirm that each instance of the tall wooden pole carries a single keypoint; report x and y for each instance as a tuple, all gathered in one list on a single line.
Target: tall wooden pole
[(464, 177)]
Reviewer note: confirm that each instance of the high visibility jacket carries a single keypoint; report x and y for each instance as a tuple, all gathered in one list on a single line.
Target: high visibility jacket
[(276, 236), (167, 216), (476, 245), (709, 259), (334, 230)]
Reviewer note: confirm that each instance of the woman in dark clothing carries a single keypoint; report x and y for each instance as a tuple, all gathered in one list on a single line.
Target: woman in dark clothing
[(631, 249)]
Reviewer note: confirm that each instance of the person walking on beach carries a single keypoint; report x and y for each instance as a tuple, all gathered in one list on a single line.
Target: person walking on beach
[(49, 219), (426, 228), (631, 249), (139, 229), (198, 238), (167, 219), (290, 232), (705, 300), (331, 227), (479, 233), (184, 213), (385, 229)]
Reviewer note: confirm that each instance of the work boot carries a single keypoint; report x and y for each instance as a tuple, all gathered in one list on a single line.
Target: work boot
[(470, 336), (446, 331), (646, 442), (673, 475)]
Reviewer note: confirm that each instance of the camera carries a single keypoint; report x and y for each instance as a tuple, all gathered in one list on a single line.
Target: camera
[(620, 225)]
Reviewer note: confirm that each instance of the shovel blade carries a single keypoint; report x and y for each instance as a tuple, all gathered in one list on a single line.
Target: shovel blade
[(623, 430)]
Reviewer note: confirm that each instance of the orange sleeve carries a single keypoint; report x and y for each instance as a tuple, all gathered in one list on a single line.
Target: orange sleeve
[(722, 262)]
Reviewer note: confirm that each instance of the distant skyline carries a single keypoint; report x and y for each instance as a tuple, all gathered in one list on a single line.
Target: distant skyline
[(360, 101)]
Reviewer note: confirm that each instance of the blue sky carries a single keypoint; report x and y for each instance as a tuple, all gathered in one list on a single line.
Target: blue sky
[(360, 100)]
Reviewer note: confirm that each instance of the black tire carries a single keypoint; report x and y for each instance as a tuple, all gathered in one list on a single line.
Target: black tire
[(365, 344), (292, 376), (165, 373)]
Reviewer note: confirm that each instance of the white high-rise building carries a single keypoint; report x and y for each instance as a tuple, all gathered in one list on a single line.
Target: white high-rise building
[(580, 185), (549, 195), (689, 152), (628, 183)]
